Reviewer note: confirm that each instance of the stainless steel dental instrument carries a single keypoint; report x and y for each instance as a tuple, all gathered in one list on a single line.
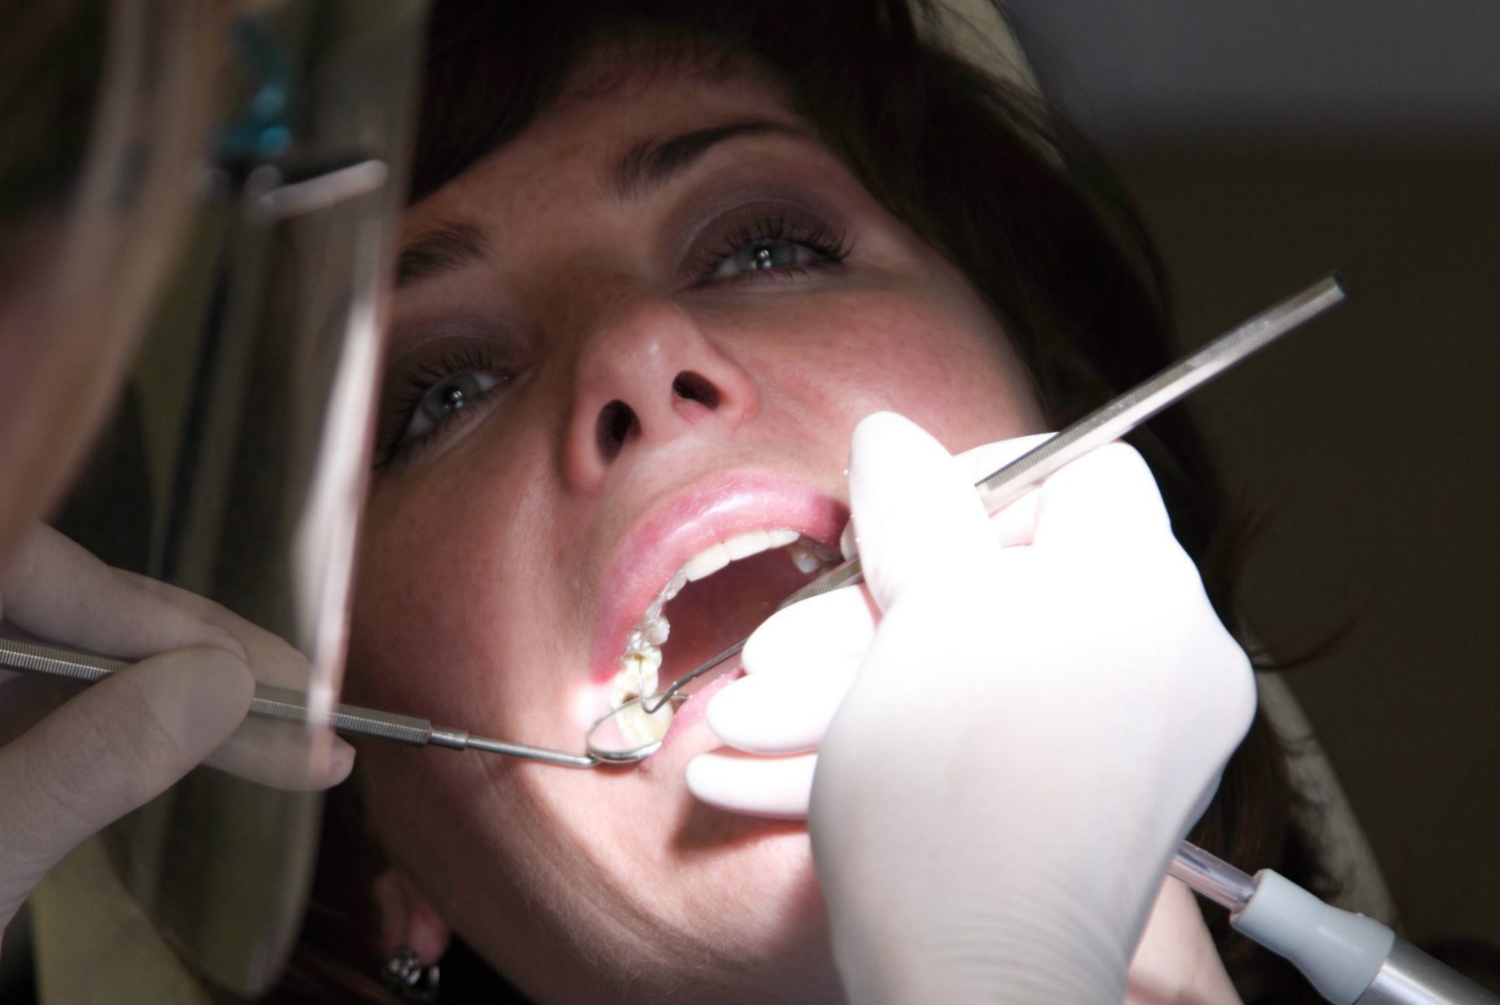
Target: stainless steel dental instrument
[(1000, 488), (290, 706), (1348, 958), (1103, 425)]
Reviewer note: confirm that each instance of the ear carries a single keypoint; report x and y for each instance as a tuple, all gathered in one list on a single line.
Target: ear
[(407, 918)]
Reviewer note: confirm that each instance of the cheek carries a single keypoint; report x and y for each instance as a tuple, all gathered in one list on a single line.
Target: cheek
[(940, 360), (438, 610)]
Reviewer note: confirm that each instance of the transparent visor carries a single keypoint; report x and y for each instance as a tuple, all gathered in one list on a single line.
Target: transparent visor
[(234, 468)]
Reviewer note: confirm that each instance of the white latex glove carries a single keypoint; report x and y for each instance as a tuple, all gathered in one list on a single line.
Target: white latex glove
[(1020, 733), (68, 770)]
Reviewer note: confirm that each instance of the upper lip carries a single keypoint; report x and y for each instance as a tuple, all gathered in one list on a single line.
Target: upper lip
[(685, 523)]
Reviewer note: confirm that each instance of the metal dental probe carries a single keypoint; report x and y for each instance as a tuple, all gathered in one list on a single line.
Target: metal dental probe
[(1103, 425), (289, 706)]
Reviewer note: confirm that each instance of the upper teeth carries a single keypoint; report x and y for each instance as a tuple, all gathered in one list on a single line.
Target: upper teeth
[(642, 657), (713, 558)]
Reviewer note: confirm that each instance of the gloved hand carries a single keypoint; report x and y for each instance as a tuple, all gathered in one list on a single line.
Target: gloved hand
[(66, 772), (1034, 711)]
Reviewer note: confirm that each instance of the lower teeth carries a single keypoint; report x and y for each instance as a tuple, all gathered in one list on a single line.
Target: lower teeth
[(637, 676), (636, 727), (638, 679), (805, 559)]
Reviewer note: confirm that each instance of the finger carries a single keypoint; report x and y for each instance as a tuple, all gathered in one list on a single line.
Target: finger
[(285, 756), (60, 592), (917, 519), (1106, 499), (272, 659), (278, 754), (827, 628), (57, 590), (776, 787), (111, 749), (1014, 523), (800, 663), (780, 713), (988, 458)]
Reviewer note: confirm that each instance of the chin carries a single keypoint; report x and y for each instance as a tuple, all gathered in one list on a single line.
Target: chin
[(730, 913)]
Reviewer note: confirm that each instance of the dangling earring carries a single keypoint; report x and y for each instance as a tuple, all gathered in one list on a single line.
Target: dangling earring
[(404, 974)]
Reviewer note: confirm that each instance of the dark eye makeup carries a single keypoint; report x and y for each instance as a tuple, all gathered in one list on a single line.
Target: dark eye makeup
[(765, 242), (450, 382), (430, 392)]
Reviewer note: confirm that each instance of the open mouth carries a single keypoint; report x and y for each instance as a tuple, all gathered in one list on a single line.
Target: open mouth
[(716, 598)]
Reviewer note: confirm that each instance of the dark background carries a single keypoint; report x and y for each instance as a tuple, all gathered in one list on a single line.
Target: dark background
[(1268, 143)]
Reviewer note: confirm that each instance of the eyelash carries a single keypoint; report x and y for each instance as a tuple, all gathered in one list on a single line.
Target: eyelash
[(419, 381), (819, 238), (831, 249)]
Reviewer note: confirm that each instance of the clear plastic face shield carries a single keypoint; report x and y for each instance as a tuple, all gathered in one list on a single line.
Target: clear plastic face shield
[(249, 231)]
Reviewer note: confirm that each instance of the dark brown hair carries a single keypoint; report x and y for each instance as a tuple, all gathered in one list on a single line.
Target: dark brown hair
[(983, 170)]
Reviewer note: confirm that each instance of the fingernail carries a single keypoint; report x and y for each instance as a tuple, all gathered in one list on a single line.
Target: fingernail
[(198, 695), (848, 541), (340, 761)]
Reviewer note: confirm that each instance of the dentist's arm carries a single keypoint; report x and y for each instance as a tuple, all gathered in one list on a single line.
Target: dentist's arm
[(1029, 728)]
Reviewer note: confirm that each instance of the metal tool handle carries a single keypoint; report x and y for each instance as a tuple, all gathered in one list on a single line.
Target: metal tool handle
[(270, 702), (288, 705), (1120, 416), (1113, 420), (1109, 422)]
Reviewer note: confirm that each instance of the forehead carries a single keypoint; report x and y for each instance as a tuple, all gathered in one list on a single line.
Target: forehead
[(612, 116)]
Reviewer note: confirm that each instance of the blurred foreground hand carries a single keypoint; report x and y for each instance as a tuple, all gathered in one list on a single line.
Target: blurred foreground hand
[(67, 770)]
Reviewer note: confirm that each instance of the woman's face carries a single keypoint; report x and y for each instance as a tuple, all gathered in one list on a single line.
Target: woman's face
[(645, 326)]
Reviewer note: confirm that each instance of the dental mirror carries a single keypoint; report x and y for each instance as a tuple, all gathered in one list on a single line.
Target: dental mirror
[(629, 733)]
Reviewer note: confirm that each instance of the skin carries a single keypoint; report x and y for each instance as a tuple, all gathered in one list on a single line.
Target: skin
[(487, 547)]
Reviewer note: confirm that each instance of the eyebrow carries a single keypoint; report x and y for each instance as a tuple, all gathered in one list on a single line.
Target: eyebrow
[(645, 166), (448, 246), (651, 163)]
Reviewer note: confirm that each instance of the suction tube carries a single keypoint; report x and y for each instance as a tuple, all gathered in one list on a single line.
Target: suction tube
[(1348, 958)]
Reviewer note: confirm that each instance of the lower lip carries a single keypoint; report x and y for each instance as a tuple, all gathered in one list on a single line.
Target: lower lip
[(695, 708)]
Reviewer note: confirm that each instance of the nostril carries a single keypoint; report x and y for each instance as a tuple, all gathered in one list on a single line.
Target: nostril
[(616, 425), (695, 387)]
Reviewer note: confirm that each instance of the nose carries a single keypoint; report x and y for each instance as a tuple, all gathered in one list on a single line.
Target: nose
[(645, 377)]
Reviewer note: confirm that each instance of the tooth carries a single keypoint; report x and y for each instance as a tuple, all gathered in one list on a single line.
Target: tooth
[(782, 537), (645, 674), (707, 562), (744, 545), (804, 559), (642, 656), (625, 687), (638, 729), (637, 676)]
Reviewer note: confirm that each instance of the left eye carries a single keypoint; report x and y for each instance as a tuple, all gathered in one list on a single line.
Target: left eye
[(761, 256), (446, 398)]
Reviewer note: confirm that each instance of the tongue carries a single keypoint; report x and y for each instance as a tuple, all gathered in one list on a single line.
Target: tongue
[(713, 613)]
